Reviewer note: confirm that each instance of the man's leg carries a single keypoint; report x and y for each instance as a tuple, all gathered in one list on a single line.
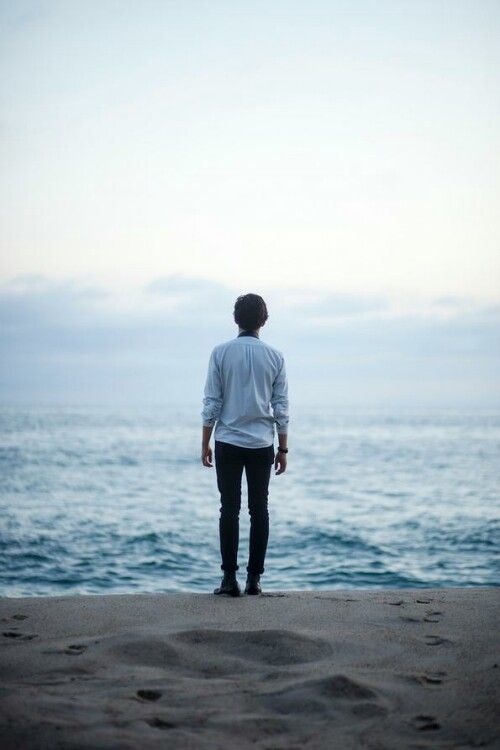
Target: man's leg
[(229, 468), (258, 470)]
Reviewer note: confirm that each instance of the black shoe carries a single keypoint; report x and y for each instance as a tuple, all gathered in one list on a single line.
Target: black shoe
[(253, 584), (229, 585)]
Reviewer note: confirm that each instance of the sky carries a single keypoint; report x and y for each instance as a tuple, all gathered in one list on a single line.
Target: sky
[(339, 158)]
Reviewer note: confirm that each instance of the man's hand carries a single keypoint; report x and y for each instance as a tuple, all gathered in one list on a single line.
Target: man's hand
[(280, 461), (206, 455)]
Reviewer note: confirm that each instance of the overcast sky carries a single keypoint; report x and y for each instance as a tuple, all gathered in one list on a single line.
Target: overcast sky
[(340, 158)]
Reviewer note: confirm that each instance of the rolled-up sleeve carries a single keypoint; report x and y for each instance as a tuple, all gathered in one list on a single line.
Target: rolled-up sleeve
[(279, 400), (213, 395)]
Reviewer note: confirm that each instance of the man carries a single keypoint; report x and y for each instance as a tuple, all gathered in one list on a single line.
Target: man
[(245, 377)]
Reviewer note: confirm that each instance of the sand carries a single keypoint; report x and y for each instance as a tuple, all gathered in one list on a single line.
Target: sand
[(336, 669)]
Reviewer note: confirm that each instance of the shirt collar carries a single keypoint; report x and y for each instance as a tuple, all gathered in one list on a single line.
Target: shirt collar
[(248, 333)]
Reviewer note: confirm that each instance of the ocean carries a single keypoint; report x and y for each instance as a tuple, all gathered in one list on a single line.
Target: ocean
[(116, 500)]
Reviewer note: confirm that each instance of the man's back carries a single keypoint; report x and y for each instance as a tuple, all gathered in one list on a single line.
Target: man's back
[(246, 380)]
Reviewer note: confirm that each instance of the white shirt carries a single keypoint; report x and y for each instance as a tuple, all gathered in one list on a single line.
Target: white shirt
[(246, 379)]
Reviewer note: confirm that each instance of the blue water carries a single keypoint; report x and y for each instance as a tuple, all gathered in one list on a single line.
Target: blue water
[(116, 500)]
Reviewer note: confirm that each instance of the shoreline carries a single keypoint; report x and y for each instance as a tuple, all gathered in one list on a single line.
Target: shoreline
[(391, 669)]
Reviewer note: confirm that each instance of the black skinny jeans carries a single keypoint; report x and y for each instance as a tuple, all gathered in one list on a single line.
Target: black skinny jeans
[(229, 462)]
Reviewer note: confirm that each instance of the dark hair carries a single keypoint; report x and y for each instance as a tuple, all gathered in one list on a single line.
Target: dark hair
[(250, 311)]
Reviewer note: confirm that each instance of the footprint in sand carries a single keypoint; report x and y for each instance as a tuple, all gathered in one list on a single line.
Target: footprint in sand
[(424, 601), (432, 616), (430, 678), (149, 695), (437, 640), (159, 723), (19, 636), (75, 649), (429, 617), (425, 723), (20, 617)]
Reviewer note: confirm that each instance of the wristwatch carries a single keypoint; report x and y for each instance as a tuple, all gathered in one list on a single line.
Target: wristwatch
[(282, 450)]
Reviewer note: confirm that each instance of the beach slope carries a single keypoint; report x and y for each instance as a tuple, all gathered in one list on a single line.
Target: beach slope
[(348, 669)]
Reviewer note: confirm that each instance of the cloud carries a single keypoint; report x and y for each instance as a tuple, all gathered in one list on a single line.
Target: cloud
[(191, 297), (333, 309), (75, 341)]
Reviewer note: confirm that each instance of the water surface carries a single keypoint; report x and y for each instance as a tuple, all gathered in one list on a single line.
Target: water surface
[(116, 500)]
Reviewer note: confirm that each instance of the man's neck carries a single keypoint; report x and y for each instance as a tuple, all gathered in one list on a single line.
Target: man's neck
[(242, 331)]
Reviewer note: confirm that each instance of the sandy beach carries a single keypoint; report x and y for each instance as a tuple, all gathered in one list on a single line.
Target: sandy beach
[(346, 669)]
